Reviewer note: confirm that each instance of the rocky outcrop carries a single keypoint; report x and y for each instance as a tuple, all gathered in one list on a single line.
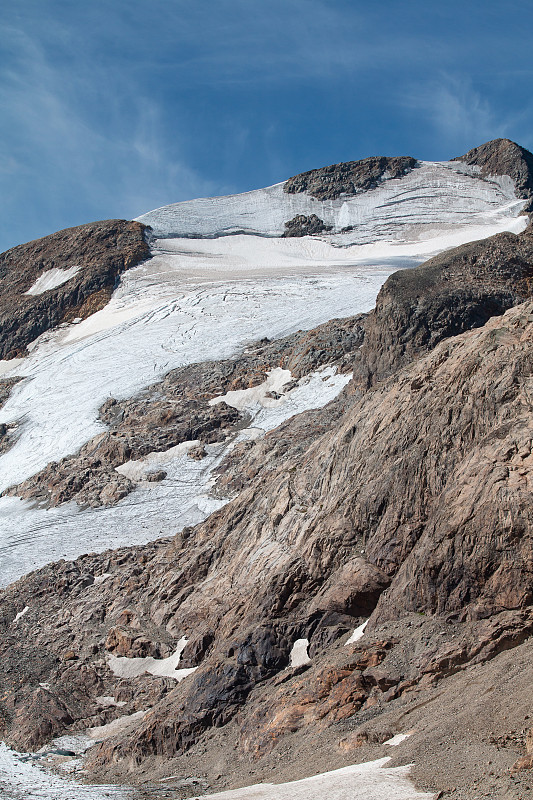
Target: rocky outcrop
[(349, 178), (101, 250), (504, 157), (422, 487), (301, 225), (447, 295), (177, 410)]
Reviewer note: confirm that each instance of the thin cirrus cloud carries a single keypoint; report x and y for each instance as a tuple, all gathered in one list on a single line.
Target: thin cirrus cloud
[(460, 115)]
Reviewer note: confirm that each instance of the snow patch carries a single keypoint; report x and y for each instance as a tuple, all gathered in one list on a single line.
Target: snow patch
[(21, 614), (119, 725), (299, 655), (124, 667), (357, 634), (257, 395), (51, 279), (371, 781), (137, 470), (107, 702), (398, 739)]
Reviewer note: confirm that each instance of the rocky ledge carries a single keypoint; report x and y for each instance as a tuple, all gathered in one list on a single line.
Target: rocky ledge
[(349, 178), (96, 253)]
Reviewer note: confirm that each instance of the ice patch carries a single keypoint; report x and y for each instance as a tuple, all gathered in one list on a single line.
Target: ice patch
[(371, 781), (51, 279), (436, 199), (124, 667), (357, 634), (299, 655)]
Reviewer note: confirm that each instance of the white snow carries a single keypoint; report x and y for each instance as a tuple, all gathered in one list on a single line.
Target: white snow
[(434, 198), (257, 395), (124, 667), (21, 614), (357, 634), (299, 655), (51, 279), (369, 781), (398, 739)]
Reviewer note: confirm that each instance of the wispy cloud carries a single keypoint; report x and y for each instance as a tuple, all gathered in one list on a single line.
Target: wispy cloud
[(458, 113)]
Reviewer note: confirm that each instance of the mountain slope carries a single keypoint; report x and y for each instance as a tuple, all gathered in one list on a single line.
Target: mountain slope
[(403, 498)]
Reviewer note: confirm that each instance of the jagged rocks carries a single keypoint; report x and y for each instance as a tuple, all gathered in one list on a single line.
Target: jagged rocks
[(349, 178), (100, 250), (301, 225)]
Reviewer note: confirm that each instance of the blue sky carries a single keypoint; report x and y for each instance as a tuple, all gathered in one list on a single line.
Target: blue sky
[(110, 109)]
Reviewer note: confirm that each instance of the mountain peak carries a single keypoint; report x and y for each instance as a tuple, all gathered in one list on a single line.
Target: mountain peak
[(504, 157)]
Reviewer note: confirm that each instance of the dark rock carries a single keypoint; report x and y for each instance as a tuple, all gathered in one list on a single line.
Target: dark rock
[(350, 177), (300, 225)]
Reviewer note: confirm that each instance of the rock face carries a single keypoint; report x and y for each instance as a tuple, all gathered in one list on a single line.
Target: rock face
[(349, 178), (504, 157), (447, 295), (406, 503), (101, 250)]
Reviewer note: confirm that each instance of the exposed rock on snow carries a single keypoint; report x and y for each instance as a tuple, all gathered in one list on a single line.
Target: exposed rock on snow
[(349, 178), (503, 157), (300, 225), (39, 287)]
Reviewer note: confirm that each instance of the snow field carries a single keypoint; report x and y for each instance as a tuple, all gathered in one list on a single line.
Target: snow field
[(432, 198)]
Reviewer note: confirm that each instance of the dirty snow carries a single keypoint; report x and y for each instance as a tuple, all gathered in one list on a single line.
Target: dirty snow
[(51, 279), (22, 780), (299, 655), (369, 781), (124, 667), (119, 725)]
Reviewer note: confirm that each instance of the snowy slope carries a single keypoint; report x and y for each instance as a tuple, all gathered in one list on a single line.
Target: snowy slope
[(426, 202), (200, 299)]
